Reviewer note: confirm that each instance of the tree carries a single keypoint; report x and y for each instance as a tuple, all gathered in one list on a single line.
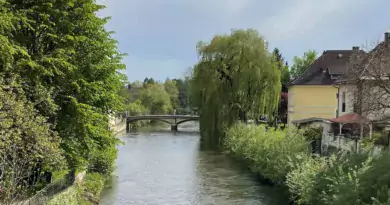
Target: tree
[(285, 79), (234, 78), (136, 108), (283, 67), (183, 89), (368, 81), (301, 64), (149, 81), (27, 145), (156, 99), (69, 71), (172, 90)]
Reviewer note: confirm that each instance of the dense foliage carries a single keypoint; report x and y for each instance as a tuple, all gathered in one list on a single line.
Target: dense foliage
[(153, 97), (300, 64), (283, 157), (27, 145), (269, 153), (235, 78), (65, 67)]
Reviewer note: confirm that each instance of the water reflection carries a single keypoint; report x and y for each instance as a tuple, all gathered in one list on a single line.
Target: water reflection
[(162, 167)]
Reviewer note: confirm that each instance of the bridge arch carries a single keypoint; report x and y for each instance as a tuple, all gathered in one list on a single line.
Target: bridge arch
[(173, 120), (186, 120), (157, 119)]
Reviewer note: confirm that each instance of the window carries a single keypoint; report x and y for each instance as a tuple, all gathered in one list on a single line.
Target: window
[(343, 102)]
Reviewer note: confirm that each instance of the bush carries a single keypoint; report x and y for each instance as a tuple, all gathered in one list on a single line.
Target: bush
[(269, 153), (301, 180), (103, 161), (93, 183), (313, 133), (282, 156)]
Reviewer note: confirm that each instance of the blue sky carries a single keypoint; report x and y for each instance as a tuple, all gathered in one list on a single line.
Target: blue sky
[(160, 36)]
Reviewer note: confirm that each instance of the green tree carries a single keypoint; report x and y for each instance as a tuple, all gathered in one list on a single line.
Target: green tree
[(285, 80), (70, 71), (183, 88), (27, 144), (156, 99), (301, 64), (149, 81), (172, 90), (283, 67), (136, 108), (234, 77)]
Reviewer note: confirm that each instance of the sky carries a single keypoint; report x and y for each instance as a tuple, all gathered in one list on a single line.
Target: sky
[(160, 36)]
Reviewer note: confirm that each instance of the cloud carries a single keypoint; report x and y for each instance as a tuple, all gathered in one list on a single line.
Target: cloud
[(165, 32)]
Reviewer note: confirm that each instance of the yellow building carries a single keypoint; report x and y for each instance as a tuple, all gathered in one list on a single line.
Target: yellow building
[(314, 93)]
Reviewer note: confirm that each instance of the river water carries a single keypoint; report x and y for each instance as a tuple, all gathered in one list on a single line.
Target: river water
[(160, 167)]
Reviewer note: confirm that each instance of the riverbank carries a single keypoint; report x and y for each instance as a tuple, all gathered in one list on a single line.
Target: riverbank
[(85, 191), (283, 158)]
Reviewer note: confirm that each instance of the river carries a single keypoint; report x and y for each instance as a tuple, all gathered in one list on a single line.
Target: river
[(160, 167)]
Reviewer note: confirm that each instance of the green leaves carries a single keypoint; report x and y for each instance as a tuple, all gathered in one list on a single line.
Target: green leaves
[(301, 64), (270, 153), (27, 143), (156, 99), (234, 78), (67, 67)]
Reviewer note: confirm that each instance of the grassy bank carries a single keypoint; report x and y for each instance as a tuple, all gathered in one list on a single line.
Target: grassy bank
[(283, 158), (86, 192)]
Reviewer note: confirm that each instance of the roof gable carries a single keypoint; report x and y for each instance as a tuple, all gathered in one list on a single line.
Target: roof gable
[(325, 69), (376, 62)]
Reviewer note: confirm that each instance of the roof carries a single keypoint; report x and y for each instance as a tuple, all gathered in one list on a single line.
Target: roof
[(310, 120), (379, 51), (323, 70), (351, 118)]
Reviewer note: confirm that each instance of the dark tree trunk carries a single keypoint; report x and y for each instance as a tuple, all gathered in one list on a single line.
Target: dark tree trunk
[(243, 117)]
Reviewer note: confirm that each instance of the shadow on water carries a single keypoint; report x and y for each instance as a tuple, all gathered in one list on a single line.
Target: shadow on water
[(158, 166)]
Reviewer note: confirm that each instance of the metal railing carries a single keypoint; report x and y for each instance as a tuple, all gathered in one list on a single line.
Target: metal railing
[(43, 196)]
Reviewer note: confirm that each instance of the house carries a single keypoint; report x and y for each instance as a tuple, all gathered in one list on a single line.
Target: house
[(315, 94), (365, 88)]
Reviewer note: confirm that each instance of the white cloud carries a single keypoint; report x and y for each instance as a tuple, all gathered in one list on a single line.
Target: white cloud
[(303, 16), (187, 21)]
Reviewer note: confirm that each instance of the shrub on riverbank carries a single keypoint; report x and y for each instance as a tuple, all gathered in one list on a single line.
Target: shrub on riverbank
[(86, 192), (283, 157), (93, 185), (269, 153)]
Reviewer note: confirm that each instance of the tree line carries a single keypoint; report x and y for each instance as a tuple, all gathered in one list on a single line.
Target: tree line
[(153, 97), (59, 80)]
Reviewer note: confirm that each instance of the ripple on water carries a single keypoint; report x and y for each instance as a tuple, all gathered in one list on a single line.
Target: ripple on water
[(161, 168)]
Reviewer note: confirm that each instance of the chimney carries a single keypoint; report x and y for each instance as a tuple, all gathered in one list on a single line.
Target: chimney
[(387, 36), (355, 48)]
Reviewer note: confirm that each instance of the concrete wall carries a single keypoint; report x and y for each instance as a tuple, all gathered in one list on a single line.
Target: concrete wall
[(346, 95), (344, 143), (306, 101), (117, 125)]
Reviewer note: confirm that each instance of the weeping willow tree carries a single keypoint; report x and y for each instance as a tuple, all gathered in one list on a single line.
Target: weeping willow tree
[(234, 79)]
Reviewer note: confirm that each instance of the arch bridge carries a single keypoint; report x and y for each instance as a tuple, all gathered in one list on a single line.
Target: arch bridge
[(173, 120)]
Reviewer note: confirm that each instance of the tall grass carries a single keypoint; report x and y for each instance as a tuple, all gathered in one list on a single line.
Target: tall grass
[(283, 157)]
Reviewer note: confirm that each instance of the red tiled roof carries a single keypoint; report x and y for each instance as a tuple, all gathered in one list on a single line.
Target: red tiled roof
[(350, 118)]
